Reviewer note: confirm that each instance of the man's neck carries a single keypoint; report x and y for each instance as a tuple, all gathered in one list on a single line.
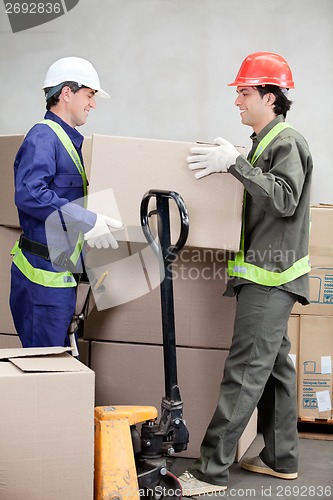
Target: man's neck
[(56, 110), (258, 128)]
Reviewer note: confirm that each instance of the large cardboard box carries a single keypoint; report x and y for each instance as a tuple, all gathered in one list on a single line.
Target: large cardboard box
[(315, 367), (9, 341), (134, 374), (86, 154), (321, 294), (321, 236), (133, 166), (321, 259), (47, 426), (9, 145), (84, 351), (8, 236), (203, 316), (293, 334)]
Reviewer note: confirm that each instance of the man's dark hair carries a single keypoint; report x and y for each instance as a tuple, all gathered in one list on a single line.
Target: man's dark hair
[(282, 104), (53, 100)]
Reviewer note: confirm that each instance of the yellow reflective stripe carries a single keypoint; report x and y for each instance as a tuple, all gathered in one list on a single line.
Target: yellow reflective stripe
[(241, 269), (40, 276), (78, 249), (265, 141)]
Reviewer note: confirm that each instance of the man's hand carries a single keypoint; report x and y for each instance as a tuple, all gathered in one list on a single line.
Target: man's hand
[(100, 235), (212, 159)]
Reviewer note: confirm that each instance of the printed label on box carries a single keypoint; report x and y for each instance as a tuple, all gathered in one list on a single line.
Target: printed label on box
[(312, 386), (293, 359), (326, 364), (321, 286), (324, 401)]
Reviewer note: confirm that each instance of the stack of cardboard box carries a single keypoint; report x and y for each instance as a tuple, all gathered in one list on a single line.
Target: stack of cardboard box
[(47, 396), (123, 343), (315, 324), (9, 233), (126, 340)]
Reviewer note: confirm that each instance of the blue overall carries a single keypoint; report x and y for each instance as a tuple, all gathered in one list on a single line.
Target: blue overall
[(46, 179)]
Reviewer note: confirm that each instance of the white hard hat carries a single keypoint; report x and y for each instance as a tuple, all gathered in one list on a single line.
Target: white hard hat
[(74, 69)]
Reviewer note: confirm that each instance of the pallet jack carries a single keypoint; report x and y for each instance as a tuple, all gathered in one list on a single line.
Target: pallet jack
[(129, 465)]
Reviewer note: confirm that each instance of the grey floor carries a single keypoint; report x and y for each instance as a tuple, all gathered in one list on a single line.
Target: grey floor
[(315, 478)]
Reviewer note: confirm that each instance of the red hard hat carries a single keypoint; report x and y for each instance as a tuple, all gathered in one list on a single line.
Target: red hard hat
[(264, 68)]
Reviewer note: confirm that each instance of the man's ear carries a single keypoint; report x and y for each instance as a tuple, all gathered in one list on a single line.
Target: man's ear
[(271, 98), (65, 93)]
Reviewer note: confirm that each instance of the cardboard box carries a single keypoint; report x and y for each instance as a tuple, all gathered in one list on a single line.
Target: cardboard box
[(47, 425), (9, 145), (315, 374), (203, 317), (9, 341), (321, 236), (248, 436), (84, 351), (8, 236), (133, 374), (293, 334), (321, 258), (133, 166), (321, 294), (86, 154)]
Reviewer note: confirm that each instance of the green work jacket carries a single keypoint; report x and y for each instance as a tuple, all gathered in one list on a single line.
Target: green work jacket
[(277, 210)]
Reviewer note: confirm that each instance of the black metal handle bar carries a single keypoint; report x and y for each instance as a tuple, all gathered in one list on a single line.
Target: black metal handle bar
[(168, 252), (162, 212)]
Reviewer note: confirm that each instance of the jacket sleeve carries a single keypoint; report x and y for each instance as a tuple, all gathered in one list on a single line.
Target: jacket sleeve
[(276, 183)]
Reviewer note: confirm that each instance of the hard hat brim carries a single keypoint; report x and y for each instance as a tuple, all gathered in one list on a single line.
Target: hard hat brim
[(102, 93), (260, 82)]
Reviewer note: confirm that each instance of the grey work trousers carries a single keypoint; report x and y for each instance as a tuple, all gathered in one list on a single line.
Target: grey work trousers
[(258, 373)]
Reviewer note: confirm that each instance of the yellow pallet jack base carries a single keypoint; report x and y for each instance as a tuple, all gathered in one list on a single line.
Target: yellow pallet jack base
[(115, 470)]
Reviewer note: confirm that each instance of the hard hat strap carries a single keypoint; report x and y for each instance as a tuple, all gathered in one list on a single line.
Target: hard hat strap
[(56, 89), (53, 91)]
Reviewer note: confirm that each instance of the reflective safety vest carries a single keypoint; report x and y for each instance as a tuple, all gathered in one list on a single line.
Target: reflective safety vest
[(41, 276), (241, 269)]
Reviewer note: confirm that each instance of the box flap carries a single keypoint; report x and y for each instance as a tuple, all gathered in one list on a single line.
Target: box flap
[(51, 363), (322, 205), (21, 352), (42, 359)]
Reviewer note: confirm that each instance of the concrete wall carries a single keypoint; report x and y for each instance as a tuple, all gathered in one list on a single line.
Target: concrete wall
[(167, 63)]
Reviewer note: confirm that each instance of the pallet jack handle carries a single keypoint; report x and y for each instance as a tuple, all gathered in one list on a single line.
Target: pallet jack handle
[(172, 403), (169, 253), (162, 210)]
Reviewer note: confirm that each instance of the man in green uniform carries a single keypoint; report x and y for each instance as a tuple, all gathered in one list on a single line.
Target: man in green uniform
[(268, 275)]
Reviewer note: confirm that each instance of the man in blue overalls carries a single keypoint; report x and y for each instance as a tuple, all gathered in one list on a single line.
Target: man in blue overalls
[(50, 179)]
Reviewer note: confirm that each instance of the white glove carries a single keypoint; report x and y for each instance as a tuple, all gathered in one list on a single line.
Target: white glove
[(213, 159), (100, 235)]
